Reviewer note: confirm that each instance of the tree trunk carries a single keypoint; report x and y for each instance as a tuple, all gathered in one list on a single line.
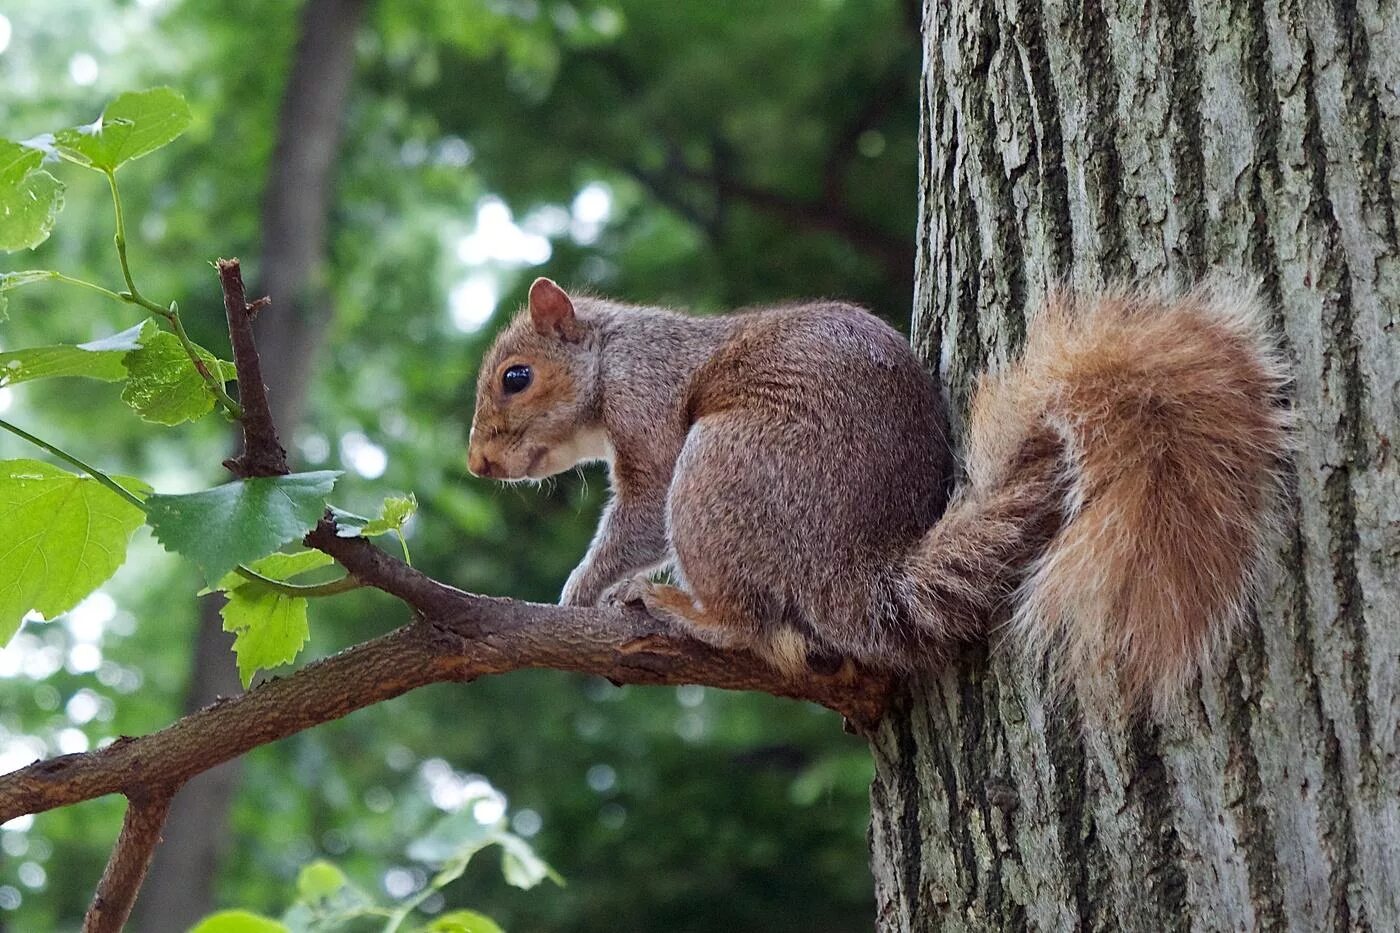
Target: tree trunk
[(1080, 142), (296, 204)]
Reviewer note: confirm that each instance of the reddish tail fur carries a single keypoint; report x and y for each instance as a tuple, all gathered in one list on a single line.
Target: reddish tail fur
[(1155, 495)]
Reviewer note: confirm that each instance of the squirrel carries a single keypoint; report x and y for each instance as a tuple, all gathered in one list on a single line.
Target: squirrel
[(792, 466)]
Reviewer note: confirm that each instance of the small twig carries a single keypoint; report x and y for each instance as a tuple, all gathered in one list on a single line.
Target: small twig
[(263, 454), (126, 868), (90, 286), (373, 567), (215, 381)]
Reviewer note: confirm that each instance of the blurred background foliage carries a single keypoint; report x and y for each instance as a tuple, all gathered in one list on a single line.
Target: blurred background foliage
[(697, 153)]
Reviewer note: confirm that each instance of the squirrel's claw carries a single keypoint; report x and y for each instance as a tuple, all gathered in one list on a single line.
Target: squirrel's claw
[(629, 592)]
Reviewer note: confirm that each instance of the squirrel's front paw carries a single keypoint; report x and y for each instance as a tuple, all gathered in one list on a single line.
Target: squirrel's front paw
[(579, 591), (629, 591)]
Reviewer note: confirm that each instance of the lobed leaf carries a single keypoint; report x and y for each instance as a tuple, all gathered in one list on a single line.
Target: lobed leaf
[(98, 359), (30, 198), (393, 515), (65, 536), (133, 125), (270, 629), (162, 384), (233, 524)]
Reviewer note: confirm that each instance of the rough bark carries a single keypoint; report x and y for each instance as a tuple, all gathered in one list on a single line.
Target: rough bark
[(126, 869), (1086, 142), (296, 204)]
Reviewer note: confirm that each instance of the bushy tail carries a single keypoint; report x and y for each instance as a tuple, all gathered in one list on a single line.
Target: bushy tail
[(1123, 478)]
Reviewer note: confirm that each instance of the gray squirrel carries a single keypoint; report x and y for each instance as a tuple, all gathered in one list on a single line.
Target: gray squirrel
[(791, 465)]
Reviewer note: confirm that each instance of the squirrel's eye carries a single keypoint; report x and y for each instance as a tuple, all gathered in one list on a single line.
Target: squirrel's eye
[(515, 379)]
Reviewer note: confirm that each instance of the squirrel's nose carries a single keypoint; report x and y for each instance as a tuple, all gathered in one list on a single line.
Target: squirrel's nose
[(481, 465)]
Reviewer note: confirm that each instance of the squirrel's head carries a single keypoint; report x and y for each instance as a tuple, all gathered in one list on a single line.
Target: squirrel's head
[(536, 400)]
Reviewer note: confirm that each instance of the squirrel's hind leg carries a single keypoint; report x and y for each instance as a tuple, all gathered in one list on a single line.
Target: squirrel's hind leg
[(783, 647), (674, 605)]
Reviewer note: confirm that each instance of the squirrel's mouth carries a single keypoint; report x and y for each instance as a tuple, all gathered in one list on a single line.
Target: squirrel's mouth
[(535, 458)]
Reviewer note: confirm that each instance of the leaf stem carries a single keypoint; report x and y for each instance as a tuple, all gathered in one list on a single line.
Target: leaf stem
[(65, 456), (171, 314), (132, 295), (307, 591), (215, 382), (93, 286)]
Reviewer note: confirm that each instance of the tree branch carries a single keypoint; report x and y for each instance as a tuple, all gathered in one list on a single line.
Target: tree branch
[(263, 454), (126, 868), (457, 637), (373, 567), (480, 636), (875, 107)]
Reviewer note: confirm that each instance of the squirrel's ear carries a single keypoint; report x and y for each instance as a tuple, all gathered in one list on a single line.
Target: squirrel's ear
[(552, 311)]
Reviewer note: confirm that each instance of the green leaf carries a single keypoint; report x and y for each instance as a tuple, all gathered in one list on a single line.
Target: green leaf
[(464, 921), (99, 359), (30, 198), (163, 385), (270, 629), (132, 125), (17, 161), (520, 865), (238, 921), (238, 522), (320, 879), (393, 515), (276, 566), (9, 280), (65, 535)]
